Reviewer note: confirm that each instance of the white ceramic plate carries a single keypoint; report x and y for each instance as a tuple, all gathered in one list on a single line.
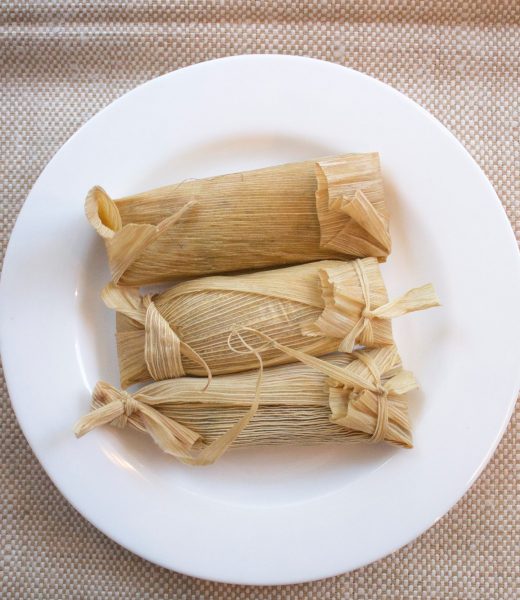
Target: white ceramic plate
[(266, 516)]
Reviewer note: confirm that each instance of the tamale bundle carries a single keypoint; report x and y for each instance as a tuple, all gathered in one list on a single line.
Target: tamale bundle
[(342, 398), (288, 214), (316, 308)]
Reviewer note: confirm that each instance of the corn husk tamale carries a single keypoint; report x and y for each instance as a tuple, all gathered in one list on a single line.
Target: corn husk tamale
[(343, 398), (317, 308), (288, 214)]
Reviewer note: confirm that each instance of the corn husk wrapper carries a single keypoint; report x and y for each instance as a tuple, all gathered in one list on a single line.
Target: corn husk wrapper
[(316, 308), (281, 215), (343, 398)]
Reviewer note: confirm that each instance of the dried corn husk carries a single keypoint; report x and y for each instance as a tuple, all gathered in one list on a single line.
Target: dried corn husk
[(288, 214), (343, 398), (316, 308)]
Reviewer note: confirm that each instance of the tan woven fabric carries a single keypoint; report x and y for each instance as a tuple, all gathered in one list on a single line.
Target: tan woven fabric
[(63, 61)]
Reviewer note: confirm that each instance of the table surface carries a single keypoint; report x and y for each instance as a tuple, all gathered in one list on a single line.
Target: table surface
[(63, 62)]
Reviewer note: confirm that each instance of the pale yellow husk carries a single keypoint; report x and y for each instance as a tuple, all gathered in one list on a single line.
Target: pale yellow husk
[(281, 215), (316, 308), (342, 398)]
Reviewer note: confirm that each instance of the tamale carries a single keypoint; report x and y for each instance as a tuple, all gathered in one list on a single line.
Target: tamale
[(342, 398), (316, 308), (288, 214)]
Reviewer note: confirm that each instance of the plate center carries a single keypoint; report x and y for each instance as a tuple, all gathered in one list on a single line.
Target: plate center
[(269, 475)]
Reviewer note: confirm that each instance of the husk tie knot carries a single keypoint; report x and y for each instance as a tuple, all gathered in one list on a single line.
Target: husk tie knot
[(381, 397), (363, 332), (130, 406), (380, 394)]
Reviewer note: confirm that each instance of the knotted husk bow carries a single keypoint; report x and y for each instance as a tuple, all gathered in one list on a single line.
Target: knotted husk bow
[(376, 412), (118, 407), (354, 319)]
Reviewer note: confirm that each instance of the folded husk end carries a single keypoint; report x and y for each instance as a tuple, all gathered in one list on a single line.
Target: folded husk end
[(351, 206), (344, 303), (361, 414)]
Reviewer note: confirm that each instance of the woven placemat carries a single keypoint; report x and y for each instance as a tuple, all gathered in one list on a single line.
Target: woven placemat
[(63, 61)]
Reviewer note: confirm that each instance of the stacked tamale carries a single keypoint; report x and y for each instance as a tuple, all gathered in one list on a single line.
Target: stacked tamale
[(298, 354)]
